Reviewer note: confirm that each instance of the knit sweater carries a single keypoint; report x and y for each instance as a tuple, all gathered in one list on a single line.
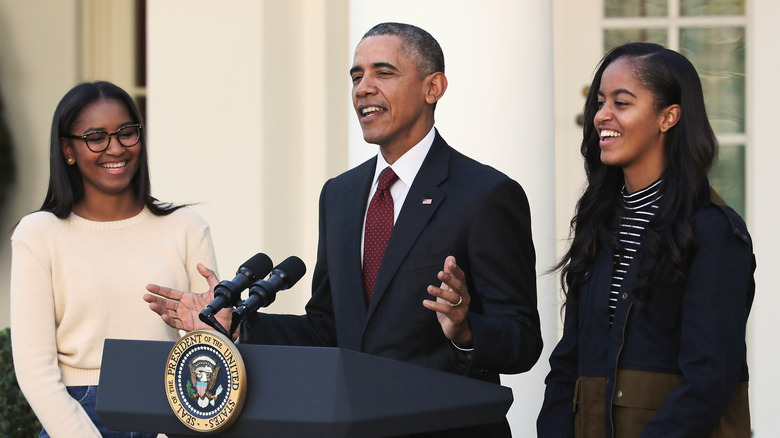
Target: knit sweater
[(76, 282)]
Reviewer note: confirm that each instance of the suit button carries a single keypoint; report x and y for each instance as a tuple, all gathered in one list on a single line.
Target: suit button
[(619, 394)]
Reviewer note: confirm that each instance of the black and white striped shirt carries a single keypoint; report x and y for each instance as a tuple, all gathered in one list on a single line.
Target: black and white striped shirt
[(638, 209)]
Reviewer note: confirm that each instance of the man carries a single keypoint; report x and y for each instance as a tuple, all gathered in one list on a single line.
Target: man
[(482, 318)]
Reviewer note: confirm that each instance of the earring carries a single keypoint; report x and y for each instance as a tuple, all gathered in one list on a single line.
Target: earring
[(70, 160)]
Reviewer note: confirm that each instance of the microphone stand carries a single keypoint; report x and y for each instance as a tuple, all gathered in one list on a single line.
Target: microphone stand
[(209, 319)]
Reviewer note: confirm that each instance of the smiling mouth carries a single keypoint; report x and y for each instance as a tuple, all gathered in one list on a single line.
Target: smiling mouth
[(112, 166), (608, 133), (369, 110)]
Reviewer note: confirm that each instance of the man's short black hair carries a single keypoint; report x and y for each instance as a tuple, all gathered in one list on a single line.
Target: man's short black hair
[(418, 45)]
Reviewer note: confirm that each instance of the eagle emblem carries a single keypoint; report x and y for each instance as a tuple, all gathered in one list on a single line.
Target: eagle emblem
[(203, 377)]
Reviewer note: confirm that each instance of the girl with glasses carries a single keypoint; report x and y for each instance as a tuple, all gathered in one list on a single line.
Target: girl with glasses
[(81, 262)]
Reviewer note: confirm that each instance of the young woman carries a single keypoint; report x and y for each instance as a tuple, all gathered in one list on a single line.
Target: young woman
[(81, 263), (659, 275)]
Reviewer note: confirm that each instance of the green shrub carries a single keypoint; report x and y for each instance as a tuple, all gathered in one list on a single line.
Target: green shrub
[(16, 417)]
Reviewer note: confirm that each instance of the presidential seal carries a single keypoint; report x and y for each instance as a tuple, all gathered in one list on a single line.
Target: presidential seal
[(205, 381)]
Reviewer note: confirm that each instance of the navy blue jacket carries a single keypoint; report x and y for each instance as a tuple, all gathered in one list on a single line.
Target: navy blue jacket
[(695, 329)]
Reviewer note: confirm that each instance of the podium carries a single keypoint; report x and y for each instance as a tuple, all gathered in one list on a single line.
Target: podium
[(302, 392)]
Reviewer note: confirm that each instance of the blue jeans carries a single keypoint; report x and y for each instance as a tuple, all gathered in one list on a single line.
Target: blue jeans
[(87, 398)]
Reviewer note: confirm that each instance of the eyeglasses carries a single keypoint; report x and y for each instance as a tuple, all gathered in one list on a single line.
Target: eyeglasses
[(98, 141)]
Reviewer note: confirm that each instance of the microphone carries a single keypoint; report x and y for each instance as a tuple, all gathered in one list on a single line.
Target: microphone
[(263, 292), (227, 293)]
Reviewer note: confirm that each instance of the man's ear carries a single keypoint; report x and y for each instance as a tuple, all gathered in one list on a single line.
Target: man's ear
[(671, 115), (436, 86)]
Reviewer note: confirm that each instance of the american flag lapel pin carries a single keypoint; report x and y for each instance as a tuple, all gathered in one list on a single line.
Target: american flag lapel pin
[(427, 201)]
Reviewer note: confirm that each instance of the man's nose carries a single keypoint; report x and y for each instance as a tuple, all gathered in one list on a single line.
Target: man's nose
[(365, 86)]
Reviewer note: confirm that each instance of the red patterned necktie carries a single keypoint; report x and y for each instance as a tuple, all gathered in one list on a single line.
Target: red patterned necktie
[(379, 225)]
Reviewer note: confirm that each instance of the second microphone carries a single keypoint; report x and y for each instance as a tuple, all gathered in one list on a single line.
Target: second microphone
[(263, 292)]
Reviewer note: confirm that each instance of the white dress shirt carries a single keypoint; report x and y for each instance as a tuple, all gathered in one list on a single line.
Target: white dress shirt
[(406, 167)]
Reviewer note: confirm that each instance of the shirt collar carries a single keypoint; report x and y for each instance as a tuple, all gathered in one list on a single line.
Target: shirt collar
[(407, 166)]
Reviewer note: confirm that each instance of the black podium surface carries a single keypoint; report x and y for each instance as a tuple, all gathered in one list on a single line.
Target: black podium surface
[(302, 392)]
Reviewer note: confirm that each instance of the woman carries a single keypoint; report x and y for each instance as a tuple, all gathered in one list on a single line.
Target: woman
[(81, 263), (659, 275)]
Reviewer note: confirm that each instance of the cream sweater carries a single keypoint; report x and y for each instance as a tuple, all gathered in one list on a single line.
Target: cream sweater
[(76, 282)]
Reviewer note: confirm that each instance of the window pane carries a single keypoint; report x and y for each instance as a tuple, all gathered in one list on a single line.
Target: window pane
[(616, 37), (712, 7), (719, 57), (635, 8), (728, 176)]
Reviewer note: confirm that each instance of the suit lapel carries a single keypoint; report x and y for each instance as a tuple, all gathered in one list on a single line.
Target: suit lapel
[(422, 201), (353, 209)]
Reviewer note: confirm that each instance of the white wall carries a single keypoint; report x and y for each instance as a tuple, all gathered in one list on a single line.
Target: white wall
[(498, 109), (245, 118), (204, 87), (38, 65), (763, 157)]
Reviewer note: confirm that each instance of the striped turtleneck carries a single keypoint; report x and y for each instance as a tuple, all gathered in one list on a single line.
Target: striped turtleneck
[(638, 209)]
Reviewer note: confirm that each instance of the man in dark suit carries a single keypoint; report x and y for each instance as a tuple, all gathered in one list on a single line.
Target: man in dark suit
[(457, 223)]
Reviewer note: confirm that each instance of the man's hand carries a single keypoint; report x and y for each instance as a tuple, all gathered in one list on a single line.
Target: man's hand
[(180, 310), (452, 304)]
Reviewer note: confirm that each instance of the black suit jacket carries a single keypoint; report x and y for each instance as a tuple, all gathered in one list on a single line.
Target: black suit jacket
[(455, 206)]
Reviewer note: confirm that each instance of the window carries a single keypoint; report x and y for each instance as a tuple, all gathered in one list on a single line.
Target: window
[(711, 34)]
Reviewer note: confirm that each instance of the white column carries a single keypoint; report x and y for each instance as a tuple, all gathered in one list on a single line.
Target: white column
[(242, 121), (763, 157), (498, 109), (39, 63), (205, 117)]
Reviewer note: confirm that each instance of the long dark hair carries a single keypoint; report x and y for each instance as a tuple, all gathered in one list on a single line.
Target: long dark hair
[(690, 148), (65, 184)]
